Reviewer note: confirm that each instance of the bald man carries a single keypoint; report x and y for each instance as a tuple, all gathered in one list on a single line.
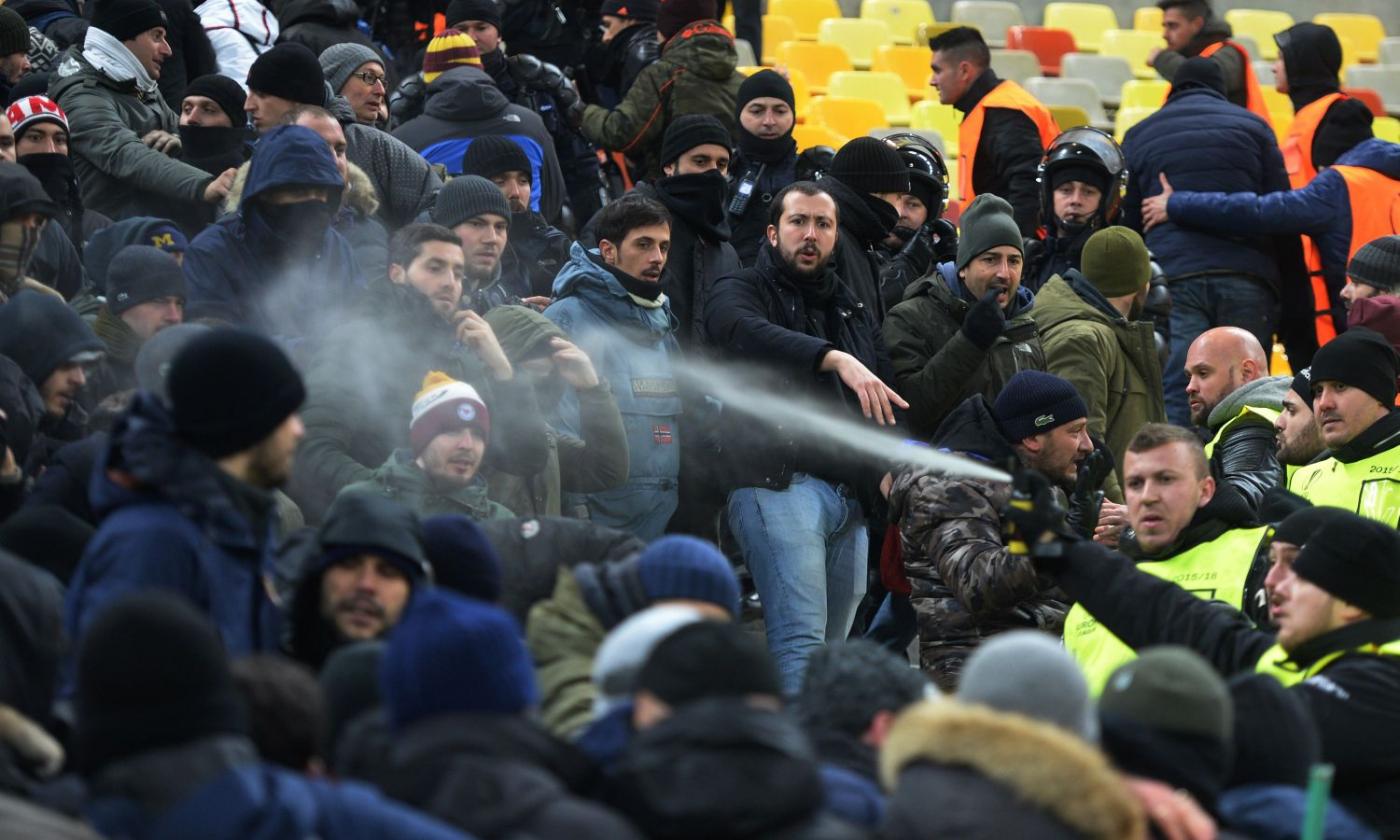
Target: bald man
[(1234, 399)]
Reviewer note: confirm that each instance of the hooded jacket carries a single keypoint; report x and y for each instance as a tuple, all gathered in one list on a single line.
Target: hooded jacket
[(1245, 457), (1312, 76), (464, 103), (24, 417), (240, 31), (232, 272), (320, 24)]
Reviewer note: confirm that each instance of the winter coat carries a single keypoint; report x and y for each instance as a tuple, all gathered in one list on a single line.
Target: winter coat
[(498, 777), (1277, 812), (749, 231), (31, 610), (60, 20), (1056, 254), (463, 104), (1245, 457), (966, 584), (564, 635), (116, 373), (936, 367), (56, 262), (25, 416), (534, 254), (1009, 152), (120, 175), (1110, 361), (240, 31), (1200, 141), (404, 481), (320, 24), (405, 183), (533, 550), (631, 346), (694, 75), (858, 258), (700, 254), (1230, 61), (850, 778)]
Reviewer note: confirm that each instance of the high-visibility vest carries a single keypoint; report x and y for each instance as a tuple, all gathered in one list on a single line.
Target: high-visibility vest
[(1275, 662), (1375, 205), (1253, 96), (1248, 412), (1212, 571), (1007, 94), (1297, 159), (1369, 487)]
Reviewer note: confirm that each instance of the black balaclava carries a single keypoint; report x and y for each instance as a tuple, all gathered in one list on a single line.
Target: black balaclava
[(288, 231), (698, 199)]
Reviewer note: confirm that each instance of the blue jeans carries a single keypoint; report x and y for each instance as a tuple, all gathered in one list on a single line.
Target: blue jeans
[(805, 547), (895, 624), (1200, 303)]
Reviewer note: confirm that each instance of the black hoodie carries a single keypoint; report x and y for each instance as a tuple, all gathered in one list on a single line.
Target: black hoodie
[(1311, 59)]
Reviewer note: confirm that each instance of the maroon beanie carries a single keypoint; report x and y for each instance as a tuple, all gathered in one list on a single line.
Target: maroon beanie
[(673, 15)]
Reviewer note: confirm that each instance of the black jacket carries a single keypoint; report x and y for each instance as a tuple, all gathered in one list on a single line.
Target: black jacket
[(749, 230), (859, 259), (534, 254), (700, 253), (1008, 154), (533, 550), (191, 54), (319, 24), (623, 58), (1347, 121)]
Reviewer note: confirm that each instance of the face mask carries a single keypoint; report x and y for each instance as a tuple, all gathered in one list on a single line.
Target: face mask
[(213, 148), (299, 227), (54, 171), (699, 197), (17, 243)]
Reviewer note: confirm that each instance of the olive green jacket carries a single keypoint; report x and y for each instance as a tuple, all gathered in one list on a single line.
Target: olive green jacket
[(401, 479), (563, 636)]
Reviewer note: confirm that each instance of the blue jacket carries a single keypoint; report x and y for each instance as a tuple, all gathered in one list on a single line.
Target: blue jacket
[(1275, 812), (1322, 209), (851, 796), (230, 268), (1203, 142), (631, 347)]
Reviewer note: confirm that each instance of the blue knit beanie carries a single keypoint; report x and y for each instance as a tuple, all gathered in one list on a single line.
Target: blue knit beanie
[(688, 568), (1034, 402), (454, 655), (462, 558)]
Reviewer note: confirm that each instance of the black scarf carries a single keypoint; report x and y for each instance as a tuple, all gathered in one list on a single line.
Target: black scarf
[(869, 218), (633, 285), (213, 149), (697, 199), (767, 151)]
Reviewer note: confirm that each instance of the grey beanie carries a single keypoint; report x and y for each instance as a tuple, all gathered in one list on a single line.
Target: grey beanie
[(466, 197), (154, 358), (1171, 689), (338, 61), (1030, 673), (987, 223), (1377, 263)]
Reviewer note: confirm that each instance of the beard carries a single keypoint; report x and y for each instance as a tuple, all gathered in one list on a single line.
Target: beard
[(270, 467), (790, 261)]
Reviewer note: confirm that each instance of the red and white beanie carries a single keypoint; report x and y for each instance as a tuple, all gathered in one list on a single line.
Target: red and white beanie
[(445, 405), (31, 109)]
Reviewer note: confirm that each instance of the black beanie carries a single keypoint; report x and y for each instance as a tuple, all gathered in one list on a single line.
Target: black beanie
[(225, 92), (125, 19), (1297, 526), (642, 10), (1302, 386), (291, 71), (1077, 171), (674, 15), (1357, 560), (463, 10), (1199, 72), (152, 673), (1264, 710), (1377, 264), (492, 154), (229, 389), (709, 659), (868, 165), (141, 273), (14, 32), (767, 83), (1361, 358), (685, 133), (49, 537), (1033, 402)]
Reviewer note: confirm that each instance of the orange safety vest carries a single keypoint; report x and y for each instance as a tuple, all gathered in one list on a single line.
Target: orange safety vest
[(1375, 205), (1253, 96), (1009, 95), (1297, 159)]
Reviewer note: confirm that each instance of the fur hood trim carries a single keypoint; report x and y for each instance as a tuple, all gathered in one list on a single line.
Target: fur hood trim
[(360, 196)]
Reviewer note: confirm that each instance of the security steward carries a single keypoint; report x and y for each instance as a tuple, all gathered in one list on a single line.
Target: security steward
[(1191, 29)]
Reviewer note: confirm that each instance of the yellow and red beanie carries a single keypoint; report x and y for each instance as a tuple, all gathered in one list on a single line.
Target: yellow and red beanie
[(445, 405), (451, 48)]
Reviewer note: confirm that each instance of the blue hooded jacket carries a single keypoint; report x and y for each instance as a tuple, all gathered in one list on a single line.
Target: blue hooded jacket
[(231, 267)]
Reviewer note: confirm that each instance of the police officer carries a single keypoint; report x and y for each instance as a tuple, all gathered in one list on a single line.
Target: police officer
[(921, 237), (1081, 186)]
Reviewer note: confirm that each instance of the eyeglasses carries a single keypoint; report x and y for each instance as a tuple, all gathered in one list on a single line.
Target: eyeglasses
[(369, 78)]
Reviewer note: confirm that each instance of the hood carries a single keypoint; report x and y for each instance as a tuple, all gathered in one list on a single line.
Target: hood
[(31, 613), (1261, 393), (359, 195), (138, 230), (292, 155), (248, 17), (40, 332), (1071, 298), (583, 278), (972, 429), (336, 12), (464, 94), (522, 332), (704, 48), (1377, 154), (21, 191), (23, 407), (1312, 57)]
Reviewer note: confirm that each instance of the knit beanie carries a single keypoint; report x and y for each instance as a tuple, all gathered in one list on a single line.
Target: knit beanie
[(625, 650), (47, 536), (231, 388), (685, 133), (453, 655), (1199, 73), (141, 273), (151, 673), (1264, 711), (492, 154), (459, 11), (225, 92), (522, 332), (40, 333), (350, 686), (709, 659), (1074, 170), (1377, 264), (466, 197), (1116, 261), (125, 19), (463, 559), (868, 165), (1033, 402), (1171, 689), (987, 222), (1356, 560), (25, 112), (764, 83), (157, 352), (1361, 358), (688, 568), (451, 48), (338, 61), (1297, 526), (443, 405), (642, 10), (1380, 313), (1302, 386), (368, 523), (14, 32), (289, 70), (1030, 673), (674, 15)]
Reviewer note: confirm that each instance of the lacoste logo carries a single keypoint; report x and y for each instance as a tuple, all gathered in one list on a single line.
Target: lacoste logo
[(1044, 420)]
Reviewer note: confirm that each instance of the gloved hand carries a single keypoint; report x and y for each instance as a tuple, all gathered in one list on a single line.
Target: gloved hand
[(1087, 498), (985, 321), (918, 253), (945, 240), (1033, 521), (574, 113)]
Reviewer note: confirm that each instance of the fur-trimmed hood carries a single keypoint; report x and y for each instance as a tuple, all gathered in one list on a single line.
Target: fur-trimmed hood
[(360, 196), (1038, 765)]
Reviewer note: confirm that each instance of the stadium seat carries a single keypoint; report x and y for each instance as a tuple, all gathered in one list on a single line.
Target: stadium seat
[(816, 61), (748, 69), (1280, 111), (1364, 31), (1383, 79), (801, 92), (1264, 72), (1078, 93), (1108, 73), (776, 30), (1070, 116), (1261, 25), (930, 115), (1148, 19), (1390, 50), (1126, 118), (912, 65), (812, 134), (806, 14), (1133, 46), (1370, 97), (953, 195), (992, 17), (885, 88), (745, 51), (1049, 45), (1144, 93), (846, 115), (928, 134), (901, 16), (1016, 65), (860, 37), (1085, 21), (1387, 129)]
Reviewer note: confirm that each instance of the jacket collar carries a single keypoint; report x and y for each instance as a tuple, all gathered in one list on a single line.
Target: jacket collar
[(978, 89), (1382, 435), (1376, 631)]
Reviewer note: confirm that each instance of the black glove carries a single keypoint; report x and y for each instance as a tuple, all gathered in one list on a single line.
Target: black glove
[(918, 253), (1034, 523), (945, 235), (985, 322), (1087, 499)]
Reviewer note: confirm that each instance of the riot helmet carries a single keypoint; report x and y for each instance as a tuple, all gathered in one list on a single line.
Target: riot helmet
[(1089, 155), (928, 174)]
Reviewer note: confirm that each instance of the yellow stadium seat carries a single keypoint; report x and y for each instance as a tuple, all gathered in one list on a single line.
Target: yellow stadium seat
[(811, 134), (1126, 118), (901, 16), (749, 69), (884, 88), (816, 61), (860, 37), (1144, 93), (801, 92), (951, 162), (1364, 31), (1069, 116), (846, 115), (1133, 45), (807, 14), (912, 65), (1086, 21), (1280, 109), (1148, 19), (934, 116), (1261, 25), (776, 30), (1387, 129)]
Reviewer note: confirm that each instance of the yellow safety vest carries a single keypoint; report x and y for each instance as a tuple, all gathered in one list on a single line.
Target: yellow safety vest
[(1275, 662), (1212, 571), (1267, 414), (1370, 487)]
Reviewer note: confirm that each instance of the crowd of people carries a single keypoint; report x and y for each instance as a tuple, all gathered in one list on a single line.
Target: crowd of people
[(483, 420)]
